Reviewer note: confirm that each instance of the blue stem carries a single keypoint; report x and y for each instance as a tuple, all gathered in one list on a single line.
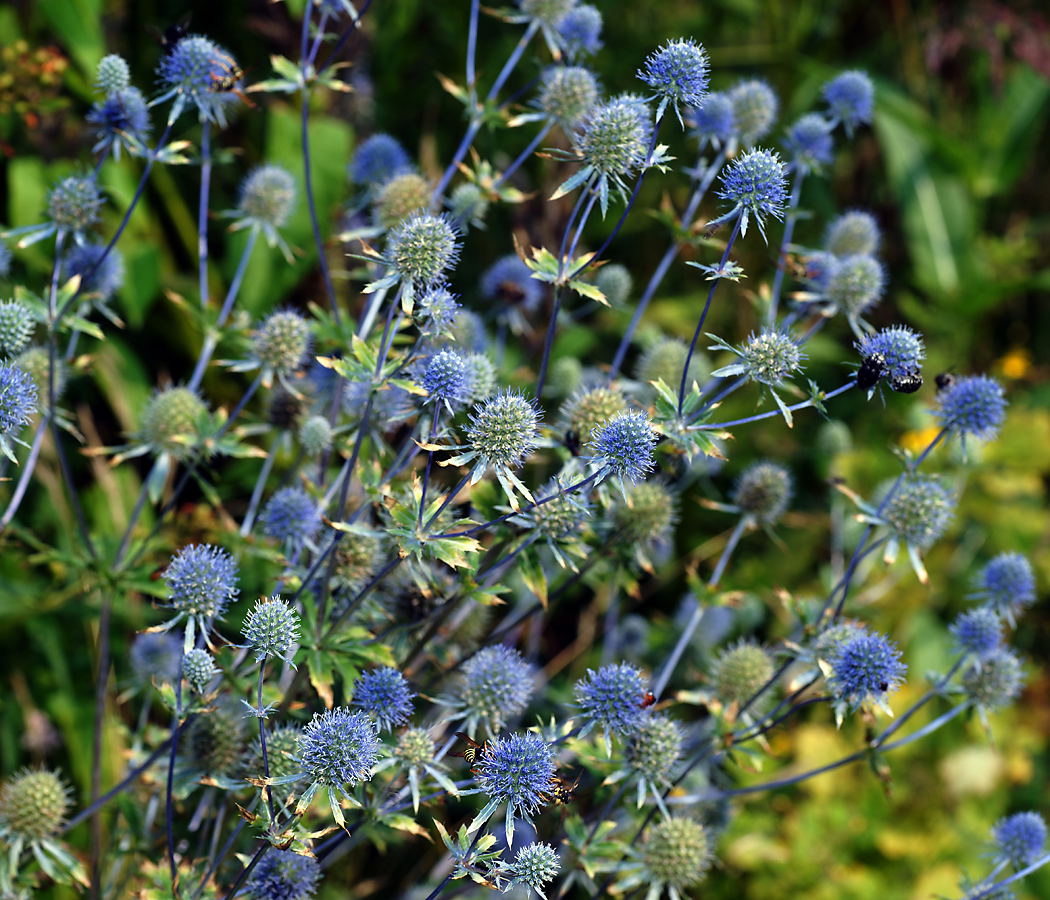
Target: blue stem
[(548, 341), (524, 155), (713, 426), (202, 213)]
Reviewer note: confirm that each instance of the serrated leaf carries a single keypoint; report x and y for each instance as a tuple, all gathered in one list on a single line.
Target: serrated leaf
[(589, 290), (405, 823)]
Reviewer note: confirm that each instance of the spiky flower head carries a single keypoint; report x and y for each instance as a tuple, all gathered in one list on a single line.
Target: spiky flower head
[(808, 143), (446, 379), (282, 749), (995, 681), (564, 376), (534, 865), (755, 108), (16, 327), (517, 770), (567, 94), (739, 672), (201, 581), (385, 695), (562, 517), (763, 491), (678, 74), (654, 748), (436, 312), (172, 420), (198, 668), (611, 699), (1019, 839), (866, 669), (422, 247), (101, 273), (121, 120), (481, 378), (677, 854), (581, 31), (401, 196), (978, 631), (113, 74), (851, 99), (1007, 584), (590, 408), (284, 875), (756, 184), (339, 747), (74, 203), (216, 741), (834, 438), (315, 435), (664, 361), (972, 406), (496, 684), (33, 806), (415, 747), (855, 284), (920, 511), (282, 342), (550, 12), (198, 72), (614, 139), (827, 643), (623, 446), (156, 655), (292, 516), (615, 282), (509, 281), (272, 629), (771, 356), (504, 430), (897, 351), (377, 160), (647, 514), (267, 195), (469, 203), (714, 121), (853, 232)]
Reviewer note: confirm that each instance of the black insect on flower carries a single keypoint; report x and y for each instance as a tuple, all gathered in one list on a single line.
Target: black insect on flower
[(944, 380), (906, 382), (171, 35), (872, 369), (572, 442), (559, 791), (474, 752)]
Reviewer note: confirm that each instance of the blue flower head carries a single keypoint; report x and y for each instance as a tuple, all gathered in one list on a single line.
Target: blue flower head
[(18, 402), (769, 357), (920, 511), (678, 74), (972, 406), (446, 379), (854, 285), (503, 432), (550, 12), (653, 750), (437, 312), (496, 684), (614, 142), (611, 698), (763, 491), (267, 198), (384, 694), (623, 447), (866, 670), (894, 353), (509, 284), (74, 203), (292, 516), (272, 629), (201, 581), (1019, 839), (581, 31), (156, 655), (853, 232), (756, 184), (284, 875), (755, 108), (1007, 584), (199, 72), (103, 278), (517, 770), (713, 122), (198, 668), (567, 94), (978, 631), (377, 160), (808, 143), (850, 98), (337, 750), (281, 343), (121, 121), (993, 682)]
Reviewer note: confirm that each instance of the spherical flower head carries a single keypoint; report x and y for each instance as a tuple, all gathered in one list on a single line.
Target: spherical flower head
[(646, 515), (994, 682), (978, 631), (272, 629), (677, 854), (756, 184), (632, 639), (437, 310), (550, 12), (201, 581), (517, 770), (504, 429), (33, 805), (156, 655), (496, 684), (198, 668), (468, 203), (171, 421), (615, 282), (739, 673), (771, 356), (898, 349), (755, 108), (267, 196), (567, 94), (614, 139), (1007, 584), (284, 875), (564, 376), (194, 72), (122, 119), (74, 203), (102, 274), (654, 748), (377, 160), (481, 378), (113, 74), (664, 361), (339, 747), (282, 749), (16, 327), (856, 283), (510, 281), (422, 247), (831, 639), (624, 446), (401, 196), (834, 438), (808, 143), (291, 515), (819, 267), (562, 517), (590, 408), (385, 695), (853, 232), (972, 405), (1019, 839), (216, 741), (865, 669), (920, 511), (446, 378), (415, 747), (611, 698), (315, 435), (713, 122), (468, 333), (678, 74), (534, 865), (581, 31), (850, 98), (282, 342)]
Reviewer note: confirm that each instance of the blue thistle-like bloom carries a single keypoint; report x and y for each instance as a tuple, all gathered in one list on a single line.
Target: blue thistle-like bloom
[(713, 122), (581, 31), (866, 669), (678, 74), (384, 694), (851, 99), (769, 357), (284, 875), (972, 405), (446, 379), (611, 698), (503, 432), (623, 446), (509, 282), (763, 491), (481, 377), (339, 747), (653, 750), (853, 232), (103, 281), (121, 121), (613, 142), (534, 865), (755, 108), (808, 143), (517, 770), (895, 352), (112, 74), (201, 581), (496, 684), (1007, 584), (156, 655), (272, 629), (377, 160), (194, 72), (198, 668), (993, 682), (422, 247), (854, 285), (1019, 839), (16, 327), (74, 203), (267, 198), (920, 511), (978, 631), (291, 515), (756, 184), (567, 94), (437, 311)]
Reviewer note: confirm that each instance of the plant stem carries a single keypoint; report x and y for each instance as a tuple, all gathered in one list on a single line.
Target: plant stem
[(202, 213), (260, 486)]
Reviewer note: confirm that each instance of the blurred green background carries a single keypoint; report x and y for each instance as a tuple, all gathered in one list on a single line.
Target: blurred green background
[(955, 168)]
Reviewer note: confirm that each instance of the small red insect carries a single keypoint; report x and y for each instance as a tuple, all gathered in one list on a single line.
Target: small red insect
[(648, 700)]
